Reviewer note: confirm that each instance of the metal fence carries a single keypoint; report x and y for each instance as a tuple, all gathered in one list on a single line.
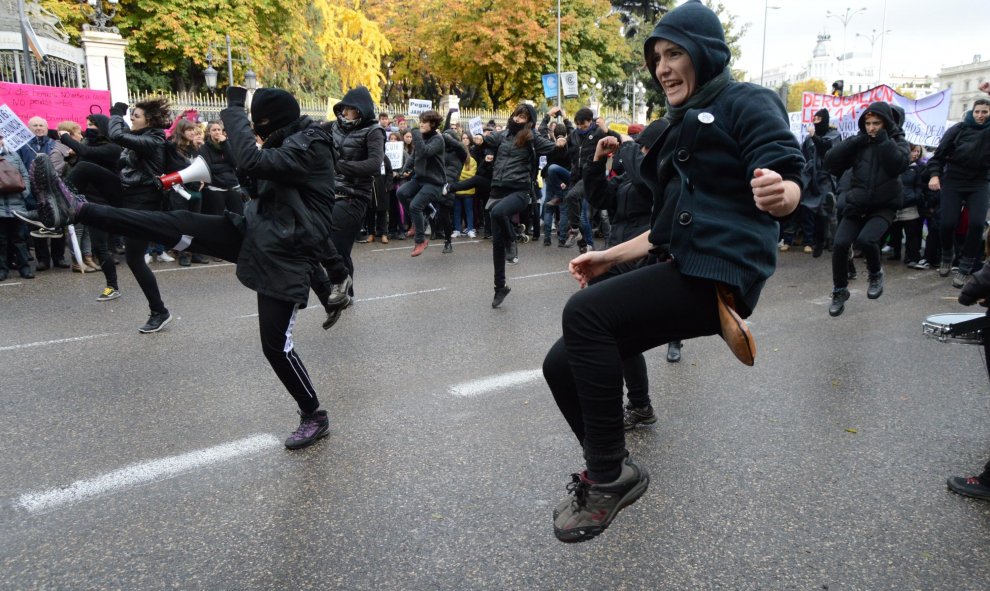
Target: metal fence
[(209, 105), (54, 71)]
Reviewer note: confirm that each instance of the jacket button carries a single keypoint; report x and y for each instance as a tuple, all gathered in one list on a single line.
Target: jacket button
[(683, 155), (684, 218)]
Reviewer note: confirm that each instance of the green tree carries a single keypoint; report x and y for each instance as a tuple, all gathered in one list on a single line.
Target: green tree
[(797, 90)]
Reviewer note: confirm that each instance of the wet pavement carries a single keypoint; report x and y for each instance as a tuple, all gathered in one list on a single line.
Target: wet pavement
[(136, 461)]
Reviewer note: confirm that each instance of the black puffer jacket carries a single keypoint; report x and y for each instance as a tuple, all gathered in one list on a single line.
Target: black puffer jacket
[(287, 227), (143, 157), (626, 196), (876, 163), (914, 180), (221, 163), (963, 156), (359, 145), (99, 150)]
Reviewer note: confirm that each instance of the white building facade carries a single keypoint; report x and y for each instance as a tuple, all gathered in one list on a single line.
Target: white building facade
[(965, 83)]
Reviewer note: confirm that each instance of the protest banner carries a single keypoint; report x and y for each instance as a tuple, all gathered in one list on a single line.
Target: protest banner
[(475, 126), (54, 104), (395, 153), (418, 106), (15, 133), (569, 82), (924, 119), (550, 86)]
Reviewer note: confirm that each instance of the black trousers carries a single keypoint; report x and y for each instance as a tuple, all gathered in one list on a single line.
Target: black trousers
[(216, 236), (607, 323), (865, 233), (10, 236), (99, 185), (503, 235), (976, 200)]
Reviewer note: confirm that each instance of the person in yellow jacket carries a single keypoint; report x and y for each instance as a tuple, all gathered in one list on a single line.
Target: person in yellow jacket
[(464, 198)]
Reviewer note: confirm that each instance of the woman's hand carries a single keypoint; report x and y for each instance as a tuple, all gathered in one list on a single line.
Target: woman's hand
[(606, 147), (773, 194), (934, 184), (589, 265)]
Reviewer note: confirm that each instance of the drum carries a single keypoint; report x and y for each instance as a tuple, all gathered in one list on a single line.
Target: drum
[(959, 328)]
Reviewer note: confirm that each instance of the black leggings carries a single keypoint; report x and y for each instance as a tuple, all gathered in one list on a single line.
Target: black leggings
[(865, 233), (503, 235), (607, 323), (952, 200), (215, 236)]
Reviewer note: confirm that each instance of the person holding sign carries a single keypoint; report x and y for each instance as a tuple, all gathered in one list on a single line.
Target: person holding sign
[(959, 169), (721, 174)]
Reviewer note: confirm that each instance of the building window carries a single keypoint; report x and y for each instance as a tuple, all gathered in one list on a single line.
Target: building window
[(966, 86)]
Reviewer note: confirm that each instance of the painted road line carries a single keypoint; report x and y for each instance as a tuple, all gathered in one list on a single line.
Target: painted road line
[(55, 342), (318, 306), (143, 473), (455, 242), (5, 284), (505, 380), (195, 266), (540, 275)]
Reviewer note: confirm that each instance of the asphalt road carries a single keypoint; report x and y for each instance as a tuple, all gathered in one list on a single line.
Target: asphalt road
[(134, 461)]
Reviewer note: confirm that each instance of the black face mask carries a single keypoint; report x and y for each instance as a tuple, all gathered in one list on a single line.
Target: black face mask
[(91, 134), (514, 127)]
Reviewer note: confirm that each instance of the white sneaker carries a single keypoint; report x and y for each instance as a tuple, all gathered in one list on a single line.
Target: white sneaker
[(164, 258), (886, 249), (455, 234), (472, 234), (147, 259)]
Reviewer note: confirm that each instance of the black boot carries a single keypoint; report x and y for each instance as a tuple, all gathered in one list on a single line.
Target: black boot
[(875, 289), (839, 297)]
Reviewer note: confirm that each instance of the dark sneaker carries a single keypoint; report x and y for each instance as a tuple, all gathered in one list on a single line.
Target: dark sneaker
[(674, 351), (57, 204), (108, 294), (641, 415), (816, 251), (959, 279), (969, 487), (944, 268), (875, 289), (546, 241), (447, 248), (156, 322), (573, 237), (311, 427), (839, 297), (500, 293), (593, 507), (185, 259), (561, 243), (340, 294), (333, 314), (199, 259)]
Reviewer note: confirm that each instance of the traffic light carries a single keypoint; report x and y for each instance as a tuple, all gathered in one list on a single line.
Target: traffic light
[(837, 87)]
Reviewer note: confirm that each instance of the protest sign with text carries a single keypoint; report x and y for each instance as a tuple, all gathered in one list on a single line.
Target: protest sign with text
[(54, 104), (418, 106), (15, 133)]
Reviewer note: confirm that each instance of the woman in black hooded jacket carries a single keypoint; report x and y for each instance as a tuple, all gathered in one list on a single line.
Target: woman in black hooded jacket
[(877, 156)]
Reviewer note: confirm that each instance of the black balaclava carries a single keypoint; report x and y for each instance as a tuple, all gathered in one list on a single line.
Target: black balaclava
[(821, 128), (696, 28), (276, 105)]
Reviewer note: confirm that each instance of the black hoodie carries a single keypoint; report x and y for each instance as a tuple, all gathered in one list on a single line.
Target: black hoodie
[(876, 163), (359, 145), (99, 150)]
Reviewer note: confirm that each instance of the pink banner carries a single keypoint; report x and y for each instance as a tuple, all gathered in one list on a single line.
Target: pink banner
[(53, 103)]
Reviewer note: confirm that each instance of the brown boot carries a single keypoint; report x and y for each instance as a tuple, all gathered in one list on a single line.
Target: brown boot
[(91, 263), (384, 238)]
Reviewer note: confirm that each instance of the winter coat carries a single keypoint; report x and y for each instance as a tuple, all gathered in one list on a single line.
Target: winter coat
[(143, 157), (221, 163), (100, 150), (876, 164), (914, 181), (626, 196), (818, 181), (480, 153), (581, 147), (515, 168), (454, 155), (287, 227), (359, 146), (11, 202), (963, 156), (427, 162), (699, 172)]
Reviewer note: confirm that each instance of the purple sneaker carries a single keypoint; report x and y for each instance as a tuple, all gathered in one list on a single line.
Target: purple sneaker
[(311, 427), (57, 203)]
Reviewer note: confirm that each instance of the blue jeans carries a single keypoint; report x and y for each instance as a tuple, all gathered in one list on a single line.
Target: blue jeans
[(416, 196), (468, 207)]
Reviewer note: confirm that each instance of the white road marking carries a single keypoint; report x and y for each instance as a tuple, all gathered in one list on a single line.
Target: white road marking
[(143, 473), (196, 266), (455, 242), (540, 275), (55, 342), (505, 380), (5, 284), (376, 298)]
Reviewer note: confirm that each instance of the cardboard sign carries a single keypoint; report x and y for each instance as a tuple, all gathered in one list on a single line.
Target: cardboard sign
[(476, 127), (15, 133), (569, 82), (54, 104), (417, 107), (394, 152)]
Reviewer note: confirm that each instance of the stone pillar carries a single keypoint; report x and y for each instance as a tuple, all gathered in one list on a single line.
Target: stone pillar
[(105, 69), (448, 102)]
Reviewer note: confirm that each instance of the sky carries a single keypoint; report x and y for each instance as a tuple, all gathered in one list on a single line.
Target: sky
[(924, 34)]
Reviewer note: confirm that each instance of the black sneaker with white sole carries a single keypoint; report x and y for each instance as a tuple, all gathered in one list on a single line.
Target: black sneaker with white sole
[(156, 322), (590, 507)]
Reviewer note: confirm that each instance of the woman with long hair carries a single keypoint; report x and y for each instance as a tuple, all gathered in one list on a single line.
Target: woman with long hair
[(517, 155), (187, 136), (223, 193)]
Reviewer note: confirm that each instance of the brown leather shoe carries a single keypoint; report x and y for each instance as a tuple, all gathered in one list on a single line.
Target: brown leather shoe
[(420, 248), (411, 232)]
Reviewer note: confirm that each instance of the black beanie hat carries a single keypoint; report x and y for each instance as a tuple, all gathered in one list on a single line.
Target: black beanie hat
[(276, 105), (696, 28)]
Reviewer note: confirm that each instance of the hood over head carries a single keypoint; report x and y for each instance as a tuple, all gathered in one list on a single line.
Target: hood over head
[(360, 99), (102, 123), (696, 28), (881, 110)]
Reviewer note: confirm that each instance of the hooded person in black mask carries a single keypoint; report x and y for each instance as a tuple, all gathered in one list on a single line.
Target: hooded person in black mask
[(277, 244), (877, 156), (820, 187), (720, 174)]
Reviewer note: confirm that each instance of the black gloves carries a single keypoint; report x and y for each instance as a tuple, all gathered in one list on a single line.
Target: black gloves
[(119, 109), (975, 289), (236, 96), (880, 137)]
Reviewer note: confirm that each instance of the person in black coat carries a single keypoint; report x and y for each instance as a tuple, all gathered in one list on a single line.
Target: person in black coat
[(876, 156), (223, 193), (959, 169), (907, 224), (277, 244)]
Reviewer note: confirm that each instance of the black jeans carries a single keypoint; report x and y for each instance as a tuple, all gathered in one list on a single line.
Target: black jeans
[(503, 235), (345, 224), (215, 236), (865, 233), (910, 232), (952, 200), (216, 202), (149, 201), (611, 321), (10, 235)]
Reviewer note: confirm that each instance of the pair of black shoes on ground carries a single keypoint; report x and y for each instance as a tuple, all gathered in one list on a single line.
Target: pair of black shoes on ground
[(840, 295)]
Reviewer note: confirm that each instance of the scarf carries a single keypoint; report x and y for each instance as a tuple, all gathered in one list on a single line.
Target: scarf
[(970, 121), (701, 98)]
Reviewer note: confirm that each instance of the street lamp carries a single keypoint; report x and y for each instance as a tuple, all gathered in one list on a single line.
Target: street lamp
[(763, 59), (632, 88), (872, 38), (210, 74), (844, 19)]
